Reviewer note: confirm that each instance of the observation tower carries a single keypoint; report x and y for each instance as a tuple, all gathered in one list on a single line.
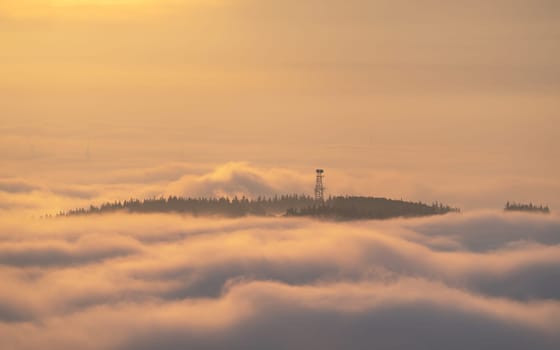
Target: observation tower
[(319, 187)]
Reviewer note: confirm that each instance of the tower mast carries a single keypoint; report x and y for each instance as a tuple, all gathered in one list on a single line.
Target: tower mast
[(319, 187)]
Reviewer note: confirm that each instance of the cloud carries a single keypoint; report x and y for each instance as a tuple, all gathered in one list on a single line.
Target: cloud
[(239, 178), (483, 231), (68, 190), (17, 186), (79, 192), (46, 253), (50, 196), (174, 282), (360, 316)]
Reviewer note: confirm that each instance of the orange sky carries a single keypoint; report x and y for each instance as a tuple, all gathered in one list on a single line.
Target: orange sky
[(449, 94)]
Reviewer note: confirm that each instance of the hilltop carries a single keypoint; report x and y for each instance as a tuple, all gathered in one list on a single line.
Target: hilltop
[(339, 208)]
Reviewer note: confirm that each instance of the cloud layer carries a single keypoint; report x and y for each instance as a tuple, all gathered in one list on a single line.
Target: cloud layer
[(482, 280), (73, 188)]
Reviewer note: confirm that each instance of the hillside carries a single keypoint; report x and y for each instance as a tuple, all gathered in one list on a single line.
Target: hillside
[(354, 208), (344, 208)]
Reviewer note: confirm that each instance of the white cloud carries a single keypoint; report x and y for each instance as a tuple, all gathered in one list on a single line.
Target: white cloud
[(174, 282)]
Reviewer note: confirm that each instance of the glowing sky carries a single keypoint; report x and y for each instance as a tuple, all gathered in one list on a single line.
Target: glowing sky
[(447, 94)]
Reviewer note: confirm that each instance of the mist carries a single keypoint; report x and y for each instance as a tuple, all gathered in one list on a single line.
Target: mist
[(145, 281)]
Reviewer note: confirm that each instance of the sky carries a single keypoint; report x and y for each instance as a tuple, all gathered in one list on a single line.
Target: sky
[(450, 101), (444, 95)]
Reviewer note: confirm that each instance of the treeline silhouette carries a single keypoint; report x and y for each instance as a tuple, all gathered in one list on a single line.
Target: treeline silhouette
[(288, 205), (527, 208), (354, 208), (223, 206)]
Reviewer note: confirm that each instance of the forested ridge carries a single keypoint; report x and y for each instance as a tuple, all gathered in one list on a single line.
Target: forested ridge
[(339, 207), (527, 208), (348, 208)]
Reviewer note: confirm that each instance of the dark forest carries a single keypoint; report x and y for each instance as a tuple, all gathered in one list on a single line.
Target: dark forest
[(339, 208)]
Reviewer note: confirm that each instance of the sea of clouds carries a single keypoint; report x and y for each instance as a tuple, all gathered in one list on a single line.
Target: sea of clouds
[(475, 280), (482, 280)]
